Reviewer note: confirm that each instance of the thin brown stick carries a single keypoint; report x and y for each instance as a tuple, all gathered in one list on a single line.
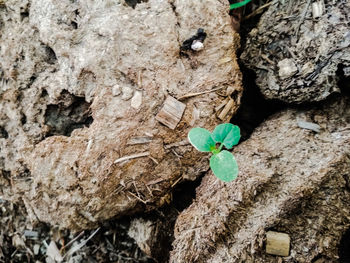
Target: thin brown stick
[(138, 198), (71, 242), (257, 11), (189, 95), (133, 156)]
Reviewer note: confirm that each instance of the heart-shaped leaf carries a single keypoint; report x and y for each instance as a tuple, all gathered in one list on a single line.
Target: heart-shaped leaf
[(224, 166), (227, 133), (201, 139)]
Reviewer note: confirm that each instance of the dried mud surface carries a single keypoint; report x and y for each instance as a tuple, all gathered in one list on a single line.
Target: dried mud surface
[(81, 84), (291, 180), (298, 57)]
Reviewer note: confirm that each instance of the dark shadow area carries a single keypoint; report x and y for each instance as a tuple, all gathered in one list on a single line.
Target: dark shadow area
[(51, 55), (71, 113), (344, 248), (344, 81), (254, 107), (3, 133), (133, 3)]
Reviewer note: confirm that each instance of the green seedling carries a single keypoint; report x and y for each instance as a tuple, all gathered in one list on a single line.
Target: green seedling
[(222, 162), (239, 4)]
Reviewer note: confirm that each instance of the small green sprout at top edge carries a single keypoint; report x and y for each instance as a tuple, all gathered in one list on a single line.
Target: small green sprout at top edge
[(239, 4)]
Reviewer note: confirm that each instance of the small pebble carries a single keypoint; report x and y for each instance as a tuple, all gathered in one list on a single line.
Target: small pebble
[(197, 45), (309, 126), (287, 68), (116, 90), (127, 93), (36, 249), (317, 9), (136, 101)]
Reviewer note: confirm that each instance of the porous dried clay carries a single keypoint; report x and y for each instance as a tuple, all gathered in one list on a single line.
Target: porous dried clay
[(299, 50), (82, 81), (291, 180)]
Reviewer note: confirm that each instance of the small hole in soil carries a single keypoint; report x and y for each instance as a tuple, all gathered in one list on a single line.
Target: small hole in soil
[(133, 3), (344, 248), (24, 15), (70, 113), (74, 24), (51, 55), (23, 119), (3, 133), (344, 81)]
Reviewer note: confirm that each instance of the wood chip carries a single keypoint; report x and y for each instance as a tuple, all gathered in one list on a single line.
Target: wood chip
[(226, 109), (171, 113), (177, 144), (277, 243)]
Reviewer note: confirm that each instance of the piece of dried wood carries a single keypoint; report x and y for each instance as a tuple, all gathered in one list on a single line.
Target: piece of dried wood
[(227, 108), (189, 95), (257, 11), (277, 243), (177, 144), (171, 113)]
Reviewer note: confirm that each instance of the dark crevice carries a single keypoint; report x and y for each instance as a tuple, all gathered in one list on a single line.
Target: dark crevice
[(3, 133), (254, 108), (343, 73), (183, 195), (24, 12), (133, 3), (73, 23), (70, 113), (23, 119), (51, 57), (24, 15), (347, 182), (344, 248)]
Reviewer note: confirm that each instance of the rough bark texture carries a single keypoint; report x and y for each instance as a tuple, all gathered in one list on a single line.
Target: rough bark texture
[(82, 82), (296, 53), (291, 180)]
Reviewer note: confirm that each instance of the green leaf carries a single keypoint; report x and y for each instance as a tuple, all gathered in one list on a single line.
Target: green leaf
[(239, 4), (226, 133), (224, 166), (201, 139)]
